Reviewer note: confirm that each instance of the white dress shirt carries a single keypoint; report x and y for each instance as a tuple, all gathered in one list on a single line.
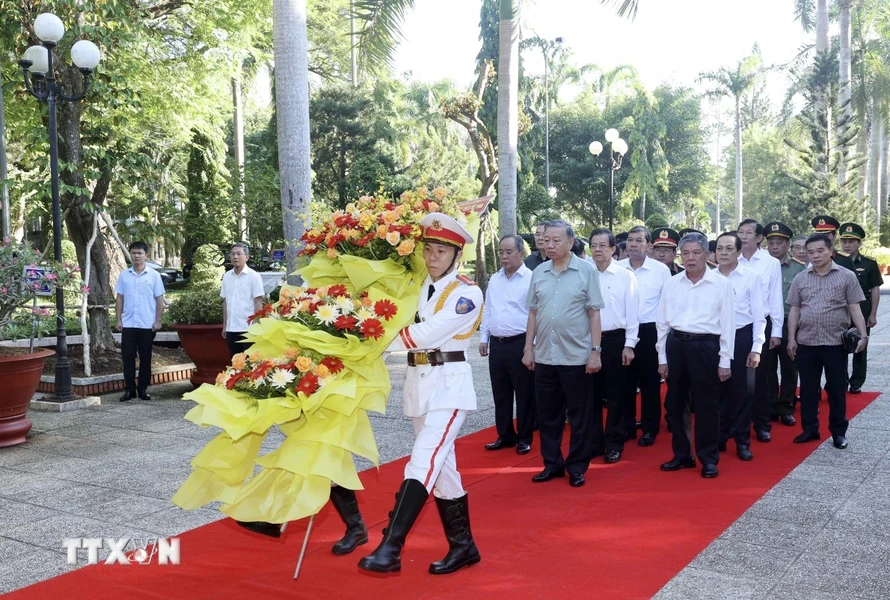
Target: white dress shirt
[(770, 271), (748, 303), (239, 291), (706, 306), (619, 288), (651, 277), (505, 313)]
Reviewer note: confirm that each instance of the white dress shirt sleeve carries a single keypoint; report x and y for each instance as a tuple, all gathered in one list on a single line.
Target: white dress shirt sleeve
[(256, 286), (776, 306), (727, 325), (757, 311), (663, 327), (485, 325), (631, 312)]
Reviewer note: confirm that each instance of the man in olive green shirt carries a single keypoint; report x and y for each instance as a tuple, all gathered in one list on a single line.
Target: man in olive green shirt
[(562, 347), (782, 397)]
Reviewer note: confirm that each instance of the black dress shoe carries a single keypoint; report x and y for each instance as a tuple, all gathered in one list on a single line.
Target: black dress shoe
[(261, 527), (807, 437), (576, 479), (744, 452), (547, 475), (523, 448), (855, 389), (499, 444), (709, 471), (764, 436), (840, 442), (788, 420), (612, 457), (648, 439), (721, 447), (677, 464), (143, 395), (127, 396)]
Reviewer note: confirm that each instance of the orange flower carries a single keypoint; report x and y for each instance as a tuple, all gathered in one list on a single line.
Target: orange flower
[(406, 248), (304, 364), (332, 253), (239, 361), (221, 379), (321, 371), (284, 294), (351, 234), (292, 353), (433, 206), (390, 217), (382, 231), (367, 302), (322, 291), (405, 196), (440, 193), (393, 238), (255, 357)]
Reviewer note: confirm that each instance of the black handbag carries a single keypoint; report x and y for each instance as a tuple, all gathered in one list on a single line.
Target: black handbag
[(851, 340)]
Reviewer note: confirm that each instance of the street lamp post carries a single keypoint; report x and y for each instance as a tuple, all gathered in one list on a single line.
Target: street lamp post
[(40, 80), (546, 46), (617, 146)]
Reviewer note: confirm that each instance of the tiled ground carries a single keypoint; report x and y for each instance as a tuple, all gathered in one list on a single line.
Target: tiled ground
[(822, 532)]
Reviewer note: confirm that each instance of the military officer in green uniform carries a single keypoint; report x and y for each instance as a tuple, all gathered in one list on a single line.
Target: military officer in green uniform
[(664, 248), (782, 397), (869, 276), (829, 225)]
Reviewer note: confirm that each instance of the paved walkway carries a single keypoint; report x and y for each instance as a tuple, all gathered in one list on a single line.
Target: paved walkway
[(109, 471)]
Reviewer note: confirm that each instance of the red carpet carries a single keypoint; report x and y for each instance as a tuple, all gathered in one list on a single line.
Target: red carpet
[(624, 535)]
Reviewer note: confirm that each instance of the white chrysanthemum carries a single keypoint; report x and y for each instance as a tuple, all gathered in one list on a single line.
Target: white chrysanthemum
[(363, 314), (258, 382), (344, 303), (327, 314), (281, 378)]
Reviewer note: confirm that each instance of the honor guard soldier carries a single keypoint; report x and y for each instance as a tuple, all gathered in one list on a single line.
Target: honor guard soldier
[(664, 248), (438, 395), (869, 276), (829, 225), (782, 397)]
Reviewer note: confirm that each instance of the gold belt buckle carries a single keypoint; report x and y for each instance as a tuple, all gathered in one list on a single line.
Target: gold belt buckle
[(421, 358)]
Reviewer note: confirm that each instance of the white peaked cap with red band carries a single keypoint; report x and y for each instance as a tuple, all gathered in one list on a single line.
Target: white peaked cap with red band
[(439, 227)]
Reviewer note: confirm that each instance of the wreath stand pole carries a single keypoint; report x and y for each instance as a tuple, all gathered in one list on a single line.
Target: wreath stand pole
[(305, 545)]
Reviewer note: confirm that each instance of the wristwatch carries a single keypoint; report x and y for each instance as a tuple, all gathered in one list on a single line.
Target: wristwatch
[(597, 349)]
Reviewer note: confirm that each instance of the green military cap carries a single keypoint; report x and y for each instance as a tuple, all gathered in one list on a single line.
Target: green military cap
[(665, 236), (851, 231), (825, 224), (777, 228)]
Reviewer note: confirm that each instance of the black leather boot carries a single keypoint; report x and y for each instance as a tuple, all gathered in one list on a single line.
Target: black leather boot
[(262, 527), (387, 557), (345, 502), (462, 551)]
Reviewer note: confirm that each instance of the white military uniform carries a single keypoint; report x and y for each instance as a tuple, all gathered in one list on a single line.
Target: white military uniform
[(438, 398)]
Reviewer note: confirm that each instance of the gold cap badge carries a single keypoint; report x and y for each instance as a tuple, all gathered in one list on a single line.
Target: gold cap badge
[(775, 227), (663, 235), (821, 221)]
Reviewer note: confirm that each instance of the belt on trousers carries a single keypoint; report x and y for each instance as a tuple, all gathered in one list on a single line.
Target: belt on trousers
[(615, 333), (508, 339), (434, 358), (682, 335), (647, 325)]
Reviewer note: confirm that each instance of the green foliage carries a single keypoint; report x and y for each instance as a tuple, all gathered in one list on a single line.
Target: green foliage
[(882, 255), (72, 289), (209, 217), (656, 220), (208, 269), (197, 307), (534, 205)]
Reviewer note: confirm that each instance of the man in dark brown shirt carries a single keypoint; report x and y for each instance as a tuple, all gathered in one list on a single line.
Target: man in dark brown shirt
[(823, 299)]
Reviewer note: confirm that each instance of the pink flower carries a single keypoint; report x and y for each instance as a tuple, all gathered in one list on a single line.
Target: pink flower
[(86, 289)]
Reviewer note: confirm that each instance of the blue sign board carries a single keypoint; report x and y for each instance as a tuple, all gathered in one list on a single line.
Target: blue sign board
[(277, 255)]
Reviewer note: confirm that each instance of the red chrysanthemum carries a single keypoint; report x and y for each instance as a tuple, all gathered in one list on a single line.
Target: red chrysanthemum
[(308, 384), (372, 328), (261, 369), (334, 364), (345, 322), (337, 290), (385, 309), (262, 313)]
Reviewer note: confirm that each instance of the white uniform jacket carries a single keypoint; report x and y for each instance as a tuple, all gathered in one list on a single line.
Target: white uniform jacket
[(459, 304)]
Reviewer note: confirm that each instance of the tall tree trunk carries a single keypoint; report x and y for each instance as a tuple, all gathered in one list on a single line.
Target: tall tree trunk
[(862, 149), (292, 108), (739, 188), (845, 115), (884, 189), (238, 125), (643, 208), (821, 25), (874, 159), (508, 115)]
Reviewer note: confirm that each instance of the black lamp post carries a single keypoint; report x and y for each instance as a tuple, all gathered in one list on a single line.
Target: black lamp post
[(617, 146), (40, 80)]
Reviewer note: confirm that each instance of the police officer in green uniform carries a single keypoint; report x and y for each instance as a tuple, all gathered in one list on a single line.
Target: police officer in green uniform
[(829, 225), (664, 248), (869, 276), (782, 398)]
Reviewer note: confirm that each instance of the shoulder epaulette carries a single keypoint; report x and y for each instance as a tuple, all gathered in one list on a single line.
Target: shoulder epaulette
[(841, 253), (798, 261), (465, 279)]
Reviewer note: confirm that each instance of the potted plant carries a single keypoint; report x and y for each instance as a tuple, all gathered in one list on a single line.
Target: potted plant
[(24, 276), (198, 318)]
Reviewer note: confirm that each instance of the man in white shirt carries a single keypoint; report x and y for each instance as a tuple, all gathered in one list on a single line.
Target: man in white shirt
[(620, 334), (242, 294), (696, 341), (502, 336), (750, 323), (651, 275), (770, 271)]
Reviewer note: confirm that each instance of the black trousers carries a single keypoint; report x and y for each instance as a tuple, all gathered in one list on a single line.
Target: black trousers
[(736, 392), (609, 391), (692, 365), (643, 373), (509, 379), (760, 411), (559, 390), (136, 342), (860, 359), (811, 362), (233, 341), (781, 393)]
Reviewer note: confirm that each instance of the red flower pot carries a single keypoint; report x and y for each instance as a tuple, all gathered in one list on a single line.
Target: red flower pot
[(20, 375), (207, 348)]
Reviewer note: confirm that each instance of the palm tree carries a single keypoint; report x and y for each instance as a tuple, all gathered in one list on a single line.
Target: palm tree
[(733, 83), (508, 114), (624, 8), (846, 86)]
